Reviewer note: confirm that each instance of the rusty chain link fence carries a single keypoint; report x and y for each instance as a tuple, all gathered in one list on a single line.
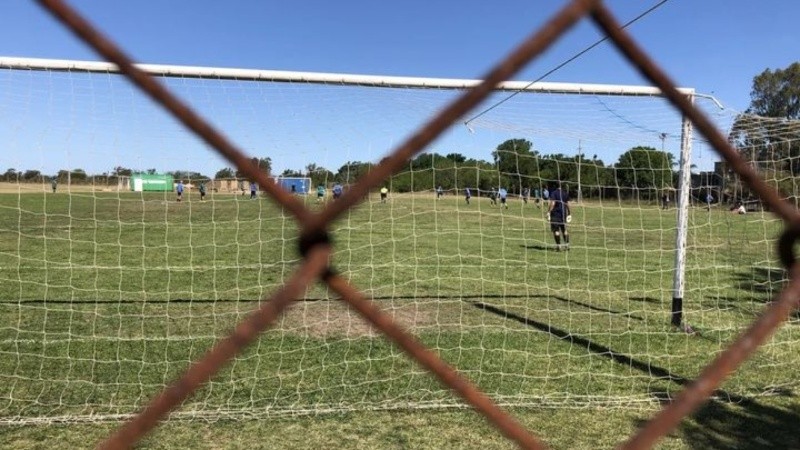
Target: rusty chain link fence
[(315, 245)]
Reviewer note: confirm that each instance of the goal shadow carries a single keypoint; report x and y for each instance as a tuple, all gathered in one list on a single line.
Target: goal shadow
[(727, 421)]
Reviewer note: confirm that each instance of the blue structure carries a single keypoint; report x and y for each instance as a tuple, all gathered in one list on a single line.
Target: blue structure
[(295, 185)]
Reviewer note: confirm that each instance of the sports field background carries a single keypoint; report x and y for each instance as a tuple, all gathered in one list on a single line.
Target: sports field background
[(106, 297)]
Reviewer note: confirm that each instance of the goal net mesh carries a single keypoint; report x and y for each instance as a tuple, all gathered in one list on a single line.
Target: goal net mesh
[(106, 295)]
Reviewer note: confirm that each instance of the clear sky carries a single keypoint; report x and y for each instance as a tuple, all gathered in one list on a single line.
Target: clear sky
[(714, 46)]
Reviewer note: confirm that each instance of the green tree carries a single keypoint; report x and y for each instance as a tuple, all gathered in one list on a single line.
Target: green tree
[(644, 169), (777, 93), (226, 172), (78, 175), (264, 165), (291, 173), (351, 171), (768, 133), (122, 171), (32, 175), (515, 161), (457, 157), (318, 174)]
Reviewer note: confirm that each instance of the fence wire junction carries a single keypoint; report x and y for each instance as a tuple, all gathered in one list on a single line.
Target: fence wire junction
[(315, 242)]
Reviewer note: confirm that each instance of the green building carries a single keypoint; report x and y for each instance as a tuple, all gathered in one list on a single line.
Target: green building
[(151, 182)]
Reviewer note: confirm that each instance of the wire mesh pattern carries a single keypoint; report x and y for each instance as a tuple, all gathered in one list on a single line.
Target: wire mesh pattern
[(315, 244)]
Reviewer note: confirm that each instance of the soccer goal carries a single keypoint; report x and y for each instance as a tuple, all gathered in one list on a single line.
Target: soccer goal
[(107, 294), (295, 185)]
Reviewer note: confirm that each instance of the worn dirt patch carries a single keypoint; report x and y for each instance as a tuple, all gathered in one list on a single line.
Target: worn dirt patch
[(326, 318), (37, 188)]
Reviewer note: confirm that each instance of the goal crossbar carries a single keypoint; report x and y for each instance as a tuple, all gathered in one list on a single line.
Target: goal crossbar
[(178, 71)]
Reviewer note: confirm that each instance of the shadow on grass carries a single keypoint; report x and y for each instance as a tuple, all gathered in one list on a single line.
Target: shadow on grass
[(540, 247), (749, 424), (651, 300), (598, 349), (766, 281), (762, 284), (728, 421), (591, 307)]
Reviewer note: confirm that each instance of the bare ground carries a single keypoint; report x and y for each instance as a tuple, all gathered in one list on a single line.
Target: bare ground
[(335, 318)]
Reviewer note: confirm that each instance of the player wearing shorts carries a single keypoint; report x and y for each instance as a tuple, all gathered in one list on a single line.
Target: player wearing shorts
[(503, 194), (559, 214), (384, 194)]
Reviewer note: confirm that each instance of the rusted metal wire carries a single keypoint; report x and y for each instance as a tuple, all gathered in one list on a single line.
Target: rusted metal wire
[(532, 46), (651, 71), (430, 361), (150, 86), (317, 251), (712, 376), (698, 391), (201, 371)]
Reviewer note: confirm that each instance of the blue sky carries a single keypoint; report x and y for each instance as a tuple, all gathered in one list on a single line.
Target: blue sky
[(714, 46)]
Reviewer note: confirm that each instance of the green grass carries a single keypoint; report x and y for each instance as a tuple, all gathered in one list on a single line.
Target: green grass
[(105, 298)]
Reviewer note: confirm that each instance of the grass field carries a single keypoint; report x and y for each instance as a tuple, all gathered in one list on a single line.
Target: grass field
[(105, 297)]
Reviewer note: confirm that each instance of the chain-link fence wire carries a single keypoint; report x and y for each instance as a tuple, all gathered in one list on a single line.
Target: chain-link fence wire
[(315, 244)]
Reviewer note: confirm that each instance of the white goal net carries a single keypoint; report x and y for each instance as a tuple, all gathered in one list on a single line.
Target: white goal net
[(107, 293)]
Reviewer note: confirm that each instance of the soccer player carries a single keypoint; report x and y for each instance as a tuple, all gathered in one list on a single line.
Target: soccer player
[(546, 194), (320, 193), (54, 185), (202, 189), (253, 189), (559, 213), (525, 193), (536, 198), (503, 194), (493, 197), (337, 191), (384, 194), (438, 192), (467, 195), (179, 190)]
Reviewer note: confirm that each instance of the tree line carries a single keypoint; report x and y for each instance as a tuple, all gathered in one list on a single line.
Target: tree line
[(514, 166), (767, 135)]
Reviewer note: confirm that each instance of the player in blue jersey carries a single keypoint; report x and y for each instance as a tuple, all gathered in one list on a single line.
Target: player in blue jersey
[(179, 190), (503, 194)]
